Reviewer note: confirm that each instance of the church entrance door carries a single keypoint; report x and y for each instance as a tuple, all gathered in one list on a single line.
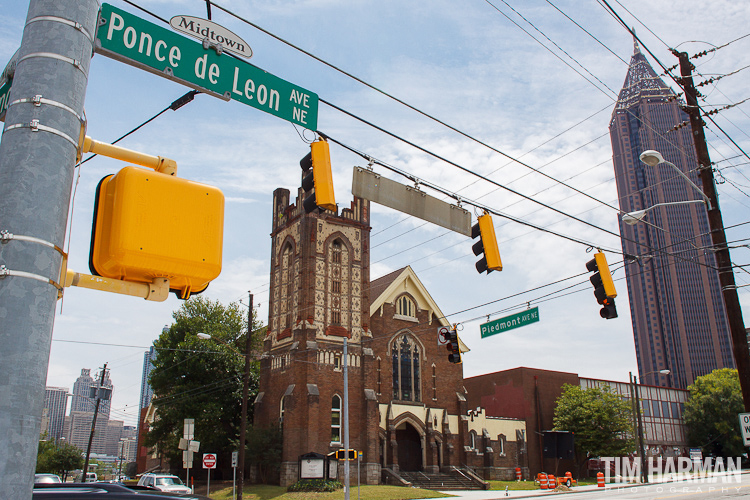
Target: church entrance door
[(409, 448)]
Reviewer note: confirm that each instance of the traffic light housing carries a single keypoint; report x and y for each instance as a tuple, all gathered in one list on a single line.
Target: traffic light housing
[(485, 230), (317, 168), (604, 286), (453, 347), (150, 225), (346, 454)]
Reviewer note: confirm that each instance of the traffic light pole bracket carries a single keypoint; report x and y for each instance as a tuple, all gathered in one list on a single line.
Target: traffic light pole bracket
[(158, 163)]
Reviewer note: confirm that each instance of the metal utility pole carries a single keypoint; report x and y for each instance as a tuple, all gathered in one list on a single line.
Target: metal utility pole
[(245, 389), (93, 421), (641, 449), (37, 155), (346, 421), (718, 237)]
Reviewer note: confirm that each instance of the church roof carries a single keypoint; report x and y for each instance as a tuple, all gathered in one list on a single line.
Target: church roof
[(640, 80), (389, 287)]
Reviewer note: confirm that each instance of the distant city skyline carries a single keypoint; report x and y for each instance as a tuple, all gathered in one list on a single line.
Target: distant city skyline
[(677, 311)]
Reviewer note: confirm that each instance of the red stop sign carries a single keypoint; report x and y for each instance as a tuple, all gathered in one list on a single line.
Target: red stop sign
[(209, 461)]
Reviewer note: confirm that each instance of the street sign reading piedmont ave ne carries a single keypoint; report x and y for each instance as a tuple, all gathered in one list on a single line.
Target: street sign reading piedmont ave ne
[(509, 322), (137, 42)]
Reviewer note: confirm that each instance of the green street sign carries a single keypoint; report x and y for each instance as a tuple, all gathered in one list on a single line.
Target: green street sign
[(137, 42), (510, 322), (4, 95)]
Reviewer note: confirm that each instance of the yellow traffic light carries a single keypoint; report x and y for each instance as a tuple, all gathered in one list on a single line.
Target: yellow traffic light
[(150, 225), (320, 179), (487, 243), (604, 286)]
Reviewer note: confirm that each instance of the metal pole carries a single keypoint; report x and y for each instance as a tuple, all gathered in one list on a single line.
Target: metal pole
[(718, 237), (36, 177), (93, 421), (644, 476), (245, 389), (208, 484), (234, 481), (346, 422)]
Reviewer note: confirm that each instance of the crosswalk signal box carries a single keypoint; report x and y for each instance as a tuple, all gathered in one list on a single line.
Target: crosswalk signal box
[(151, 225)]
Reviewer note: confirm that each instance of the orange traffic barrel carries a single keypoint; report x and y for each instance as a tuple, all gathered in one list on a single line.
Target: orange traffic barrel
[(518, 473), (542, 478), (551, 482), (600, 479)]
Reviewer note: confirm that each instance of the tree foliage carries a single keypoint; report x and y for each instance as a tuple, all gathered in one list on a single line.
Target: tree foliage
[(600, 419), (201, 378), (711, 413), (264, 452), (58, 458)]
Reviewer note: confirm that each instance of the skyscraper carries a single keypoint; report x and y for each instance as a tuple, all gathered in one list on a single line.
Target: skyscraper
[(146, 392), (678, 314), (56, 403), (81, 395)]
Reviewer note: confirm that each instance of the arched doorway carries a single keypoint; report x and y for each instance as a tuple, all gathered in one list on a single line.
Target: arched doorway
[(409, 447)]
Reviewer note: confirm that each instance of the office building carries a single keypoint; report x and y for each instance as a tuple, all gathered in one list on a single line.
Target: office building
[(56, 404), (678, 314)]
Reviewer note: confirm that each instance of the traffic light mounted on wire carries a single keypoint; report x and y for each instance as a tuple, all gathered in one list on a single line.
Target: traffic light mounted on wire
[(604, 287), (453, 346), (317, 167), (487, 243)]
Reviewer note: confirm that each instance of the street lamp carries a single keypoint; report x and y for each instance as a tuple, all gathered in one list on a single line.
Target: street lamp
[(653, 158), (631, 218)]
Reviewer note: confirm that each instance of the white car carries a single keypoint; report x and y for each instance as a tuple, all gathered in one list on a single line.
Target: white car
[(164, 482)]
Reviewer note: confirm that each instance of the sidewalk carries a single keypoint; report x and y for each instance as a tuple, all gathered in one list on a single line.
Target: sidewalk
[(591, 488)]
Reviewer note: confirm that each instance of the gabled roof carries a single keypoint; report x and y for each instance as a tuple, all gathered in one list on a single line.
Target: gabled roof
[(388, 288)]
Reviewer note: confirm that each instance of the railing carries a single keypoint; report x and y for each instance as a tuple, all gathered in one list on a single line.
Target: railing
[(425, 475)]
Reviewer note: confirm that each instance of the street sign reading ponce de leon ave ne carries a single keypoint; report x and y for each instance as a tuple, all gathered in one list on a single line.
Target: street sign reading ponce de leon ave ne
[(137, 42)]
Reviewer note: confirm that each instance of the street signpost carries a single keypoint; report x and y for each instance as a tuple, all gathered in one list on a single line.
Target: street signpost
[(137, 42), (209, 462), (442, 335), (509, 322), (745, 428), (4, 94), (235, 456)]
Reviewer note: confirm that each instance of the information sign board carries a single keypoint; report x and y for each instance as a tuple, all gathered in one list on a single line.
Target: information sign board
[(137, 42), (745, 428)]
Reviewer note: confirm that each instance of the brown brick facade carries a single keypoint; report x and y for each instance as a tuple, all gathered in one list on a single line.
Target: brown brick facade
[(407, 403)]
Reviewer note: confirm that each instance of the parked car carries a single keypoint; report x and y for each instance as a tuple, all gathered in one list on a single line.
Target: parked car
[(91, 477), (164, 482), (46, 478), (103, 491)]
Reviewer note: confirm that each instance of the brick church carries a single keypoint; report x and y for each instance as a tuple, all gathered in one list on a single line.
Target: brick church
[(407, 404)]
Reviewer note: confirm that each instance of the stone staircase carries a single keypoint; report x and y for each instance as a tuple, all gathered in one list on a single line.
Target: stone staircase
[(440, 481)]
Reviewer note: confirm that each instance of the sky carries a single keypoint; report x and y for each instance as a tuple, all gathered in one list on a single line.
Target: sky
[(545, 100)]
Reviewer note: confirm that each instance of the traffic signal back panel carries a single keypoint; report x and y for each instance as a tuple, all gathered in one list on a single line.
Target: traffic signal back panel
[(148, 225)]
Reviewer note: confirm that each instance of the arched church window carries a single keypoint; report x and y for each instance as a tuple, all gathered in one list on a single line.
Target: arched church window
[(286, 289), (406, 307), (336, 419), (335, 279), (405, 356)]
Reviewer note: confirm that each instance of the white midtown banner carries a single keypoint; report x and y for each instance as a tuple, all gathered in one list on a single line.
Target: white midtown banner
[(212, 34), (667, 469)]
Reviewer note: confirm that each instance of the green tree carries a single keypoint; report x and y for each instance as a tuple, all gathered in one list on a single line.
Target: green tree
[(201, 378), (711, 413), (57, 458), (264, 452), (600, 419)]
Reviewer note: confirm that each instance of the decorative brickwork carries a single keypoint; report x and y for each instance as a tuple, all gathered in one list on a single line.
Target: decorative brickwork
[(407, 403)]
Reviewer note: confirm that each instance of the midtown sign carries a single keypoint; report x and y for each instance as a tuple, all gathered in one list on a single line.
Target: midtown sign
[(509, 322), (137, 42), (212, 35)]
